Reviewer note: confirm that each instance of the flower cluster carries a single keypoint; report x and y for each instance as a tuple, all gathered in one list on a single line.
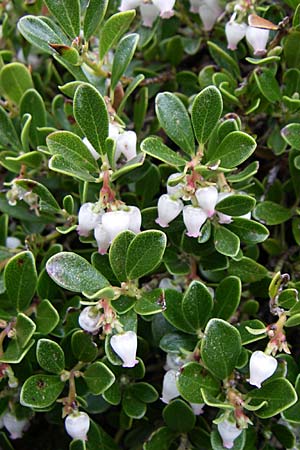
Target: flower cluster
[(150, 10), (257, 38)]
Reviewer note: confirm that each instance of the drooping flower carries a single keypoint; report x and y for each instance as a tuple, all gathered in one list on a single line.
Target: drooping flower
[(207, 198), (102, 237), (174, 190), (126, 145), (149, 14), (193, 219), (169, 390), (12, 242), (126, 5), (115, 222), (168, 210), (168, 283), (235, 32), (15, 426), (195, 5), (209, 11), (261, 367), (125, 345), (257, 38), (91, 149), (87, 219), (228, 432), (165, 7), (89, 319), (77, 425), (135, 219), (197, 408)]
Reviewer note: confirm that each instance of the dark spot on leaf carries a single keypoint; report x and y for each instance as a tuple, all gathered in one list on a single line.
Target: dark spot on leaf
[(40, 384), (20, 262)]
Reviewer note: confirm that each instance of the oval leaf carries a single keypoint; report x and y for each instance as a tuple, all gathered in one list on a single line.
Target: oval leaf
[(123, 55), (50, 356), (249, 231), (179, 416), (94, 14), (236, 205), (67, 14), (272, 213), (228, 295), (206, 112), (98, 378), (226, 242), (40, 391), (235, 148), (153, 146), (193, 377), (15, 79), (197, 305), (118, 254)]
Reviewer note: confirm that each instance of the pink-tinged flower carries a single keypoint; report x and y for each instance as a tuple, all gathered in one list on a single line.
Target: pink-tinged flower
[(165, 7), (174, 190), (91, 149), (197, 408), (77, 425), (209, 11), (223, 218), (193, 219), (168, 210), (228, 432), (261, 367), (126, 5), (149, 14), (169, 390), (135, 219), (15, 426), (126, 145), (87, 219), (115, 222), (235, 32), (103, 239), (89, 319), (257, 38), (207, 198), (195, 5), (125, 345)]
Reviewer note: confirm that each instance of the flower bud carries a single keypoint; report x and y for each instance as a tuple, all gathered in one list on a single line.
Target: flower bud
[(135, 219), (15, 426), (169, 390), (91, 149), (261, 367), (12, 242), (87, 219), (209, 11), (193, 219), (168, 210), (126, 145), (228, 432), (89, 319), (125, 345), (115, 222), (165, 7), (235, 32), (126, 5), (207, 198), (257, 38), (174, 190), (77, 425), (102, 238), (149, 14)]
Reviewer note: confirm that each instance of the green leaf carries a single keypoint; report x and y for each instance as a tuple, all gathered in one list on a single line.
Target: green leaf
[(154, 147), (267, 84), (20, 279), (292, 414), (77, 444), (40, 391), (98, 378), (179, 416), (220, 348), (235, 148), (58, 163), (113, 29), (173, 312), (83, 346), (206, 112), (123, 55), (279, 393), (228, 295), (291, 134), (15, 79), (245, 328), (197, 305), (160, 439), (20, 344), (46, 317), (236, 205), (247, 270), (118, 254), (94, 14), (33, 104), (91, 115), (47, 202), (74, 273), (272, 213), (150, 303), (67, 14), (244, 174), (130, 88), (291, 49), (177, 342), (144, 253), (8, 135), (249, 231), (223, 59), (226, 242), (174, 119), (132, 406), (50, 356), (193, 377)]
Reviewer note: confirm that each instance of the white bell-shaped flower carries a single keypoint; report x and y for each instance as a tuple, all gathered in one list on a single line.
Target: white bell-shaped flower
[(246, 216), (168, 210), (197, 408), (12, 242), (174, 361), (235, 32), (126, 5), (261, 367), (223, 218), (103, 239), (114, 222), (167, 283), (207, 198), (169, 390), (174, 190), (87, 219), (135, 219), (195, 5), (257, 38), (114, 130), (126, 145), (165, 7), (89, 319), (149, 14), (228, 432), (91, 149), (209, 11), (125, 345), (77, 425), (15, 426), (193, 219)]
